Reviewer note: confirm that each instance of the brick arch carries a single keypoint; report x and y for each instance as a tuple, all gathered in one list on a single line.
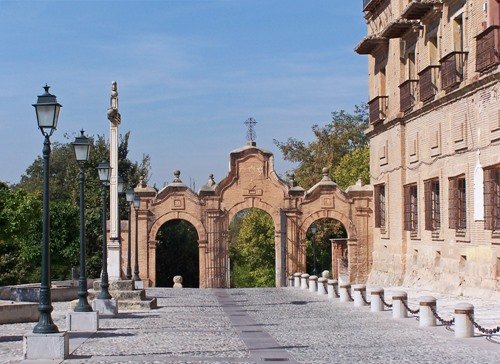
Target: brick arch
[(257, 204), (177, 215), (330, 214)]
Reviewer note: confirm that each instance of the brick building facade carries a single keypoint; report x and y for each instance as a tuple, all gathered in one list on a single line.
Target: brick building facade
[(433, 71)]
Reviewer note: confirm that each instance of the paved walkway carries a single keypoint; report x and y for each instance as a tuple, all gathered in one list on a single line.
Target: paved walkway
[(282, 325)]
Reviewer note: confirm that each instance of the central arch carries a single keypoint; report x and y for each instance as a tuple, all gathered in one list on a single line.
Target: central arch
[(253, 183)]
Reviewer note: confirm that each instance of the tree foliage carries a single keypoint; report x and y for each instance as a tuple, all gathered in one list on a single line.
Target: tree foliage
[(251, 250), (340, 137), (352, 166), (21, 212)]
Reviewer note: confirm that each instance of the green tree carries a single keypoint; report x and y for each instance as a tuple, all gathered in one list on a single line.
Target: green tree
[(64, 197), (341, 136), (352, 166), (252, 250)]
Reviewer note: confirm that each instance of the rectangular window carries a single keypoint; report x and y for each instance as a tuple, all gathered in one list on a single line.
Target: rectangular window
[(492, 199), (411, 208), (380, 206), (457, 203), (432, 205), (458, 33)]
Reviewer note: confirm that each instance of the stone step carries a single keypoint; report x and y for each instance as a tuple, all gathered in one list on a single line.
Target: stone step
[(148, 304), (121, 285), (121, 295)]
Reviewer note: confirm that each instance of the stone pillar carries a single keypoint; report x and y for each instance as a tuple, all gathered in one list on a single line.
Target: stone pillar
[(359, 291), (114, 256), (322, 285), (376, 304), (202, 255), (399, 311), (426, 317), (296, 280), (331, 289), (336, 256), (343, 292), (313, 283), (463, 325), (304, 278)]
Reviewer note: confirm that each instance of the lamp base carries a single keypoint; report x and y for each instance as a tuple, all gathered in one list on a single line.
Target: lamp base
[(106, 307), (82, 321), (46, 346)]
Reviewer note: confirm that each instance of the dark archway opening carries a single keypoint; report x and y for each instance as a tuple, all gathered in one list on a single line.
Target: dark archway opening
[(177, 254), (252, 250), (319, 245)]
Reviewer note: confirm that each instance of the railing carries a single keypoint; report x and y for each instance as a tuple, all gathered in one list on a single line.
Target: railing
[(378, 108), (407, 95), (428, 82), (488, 48), (453, 69)]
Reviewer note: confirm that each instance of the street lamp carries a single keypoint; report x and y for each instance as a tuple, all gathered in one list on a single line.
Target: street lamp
[(314, 229), (81, 147), (47, 113), (130, 195), (137, 204), (104, 171)]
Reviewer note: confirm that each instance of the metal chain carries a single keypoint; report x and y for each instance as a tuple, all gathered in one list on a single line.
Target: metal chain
[(335, 290), (363, 296), (381, 295), (413, 312), (349, 294), (440, 319), (482, 329)]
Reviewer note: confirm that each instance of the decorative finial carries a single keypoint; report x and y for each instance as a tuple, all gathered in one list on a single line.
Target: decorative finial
[(82, 131), (46, 88), (325, 172), (113, 102), (211, 181), (251, 135), (292, 179), (177, 174), (142, 183)]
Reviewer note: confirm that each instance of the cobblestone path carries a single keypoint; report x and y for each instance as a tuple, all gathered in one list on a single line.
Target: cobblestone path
[(274, 325)]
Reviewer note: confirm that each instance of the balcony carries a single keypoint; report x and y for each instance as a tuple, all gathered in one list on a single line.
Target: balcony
[(397, 28), (369, 43), (370, 5), (407, 95), (417, 9), (453, 69), (378, 109), (488, 48), (428, 82)]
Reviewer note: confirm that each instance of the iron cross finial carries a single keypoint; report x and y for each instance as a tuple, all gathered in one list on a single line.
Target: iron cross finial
[(251, 135)]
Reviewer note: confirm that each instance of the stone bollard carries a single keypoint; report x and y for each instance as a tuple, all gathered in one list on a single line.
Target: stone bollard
[(177, 282), (426, 317), (463, 324), (343, 293), (358, 291), (376, 304), (399, 311), (290, 281), (326, 274), (304, 278), (322, 285), (313, 283), (331, 289), (296, 280)]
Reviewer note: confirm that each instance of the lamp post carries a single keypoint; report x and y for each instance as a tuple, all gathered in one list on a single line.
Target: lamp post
[(104, 171), (81, 147), (130, 195), (47, 113), (314, 229), (137, 204)]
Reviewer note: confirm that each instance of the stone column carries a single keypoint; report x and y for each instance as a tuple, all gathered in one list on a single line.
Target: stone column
[(313, 280), (114, 256), (376, 304), (336, 256), (358, 294), (399, 311), (202, 256)]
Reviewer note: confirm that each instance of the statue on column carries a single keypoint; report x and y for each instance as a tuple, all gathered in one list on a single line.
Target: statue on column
[(113, 114)]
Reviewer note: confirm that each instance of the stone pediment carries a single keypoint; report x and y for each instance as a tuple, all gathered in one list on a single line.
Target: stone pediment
[(251, 172)]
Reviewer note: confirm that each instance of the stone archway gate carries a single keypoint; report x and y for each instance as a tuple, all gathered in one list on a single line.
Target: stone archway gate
[(252, 183)]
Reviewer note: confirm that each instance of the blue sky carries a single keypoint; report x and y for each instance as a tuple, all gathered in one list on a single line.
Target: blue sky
[(189, 74)]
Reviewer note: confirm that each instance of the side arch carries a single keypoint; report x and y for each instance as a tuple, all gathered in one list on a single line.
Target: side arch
[(332, 214), (178, 215)]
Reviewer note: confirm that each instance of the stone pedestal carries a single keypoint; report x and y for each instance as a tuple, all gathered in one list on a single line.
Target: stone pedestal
[(463, 325), (296, 280), (322, 286), (331, 289), (105, 307), (82, 321), (313, 280), (114, 259), (426, 317), (343, 292), (138, 284), (376, 304), (399, 311), (46, 346), (304, 280), (359, 291)]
